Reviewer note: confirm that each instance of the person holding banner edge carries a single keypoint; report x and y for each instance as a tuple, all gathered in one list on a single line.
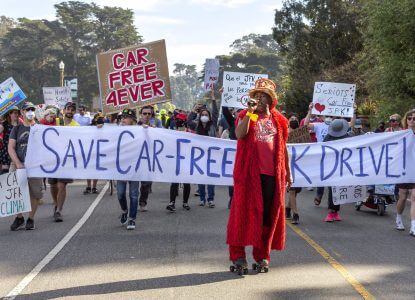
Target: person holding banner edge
[(261, 176), (11, 120), (17, 149)]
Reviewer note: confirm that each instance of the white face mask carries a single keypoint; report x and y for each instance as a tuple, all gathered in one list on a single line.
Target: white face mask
[(204, 119), (30, 115)]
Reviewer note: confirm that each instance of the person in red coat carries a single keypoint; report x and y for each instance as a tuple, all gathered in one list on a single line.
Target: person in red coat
[(261, 176)]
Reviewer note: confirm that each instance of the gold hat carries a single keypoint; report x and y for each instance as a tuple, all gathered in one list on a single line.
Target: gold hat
[(266, 86)]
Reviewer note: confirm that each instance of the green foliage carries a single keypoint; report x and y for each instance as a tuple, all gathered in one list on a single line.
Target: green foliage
[(32, 49)]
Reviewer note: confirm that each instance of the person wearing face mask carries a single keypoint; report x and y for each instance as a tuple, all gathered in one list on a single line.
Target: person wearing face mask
[(58, 185), (11, 120), (17, 149), (174, 188), (206, 125), (261, 176), (293, 191)]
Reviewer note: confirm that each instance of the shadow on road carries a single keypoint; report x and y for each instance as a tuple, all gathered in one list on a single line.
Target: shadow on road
[(135, 285)]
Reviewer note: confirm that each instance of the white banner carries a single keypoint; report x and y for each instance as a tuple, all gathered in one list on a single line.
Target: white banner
[(211, 73), (156, 154), (236, 87), (348, 194), (14, 193), (333, 99), (58, 96)]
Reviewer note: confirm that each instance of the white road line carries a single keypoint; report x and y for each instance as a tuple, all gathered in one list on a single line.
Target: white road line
[(51, 255)]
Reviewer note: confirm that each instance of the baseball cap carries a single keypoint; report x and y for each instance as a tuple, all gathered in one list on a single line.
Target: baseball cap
[(28, 105), (70, 104), (129, 113)]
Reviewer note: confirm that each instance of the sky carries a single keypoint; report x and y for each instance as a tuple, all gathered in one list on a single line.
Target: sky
[(193, 29)]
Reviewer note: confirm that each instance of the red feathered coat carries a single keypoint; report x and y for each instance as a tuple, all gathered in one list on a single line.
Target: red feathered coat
[(245, 219)]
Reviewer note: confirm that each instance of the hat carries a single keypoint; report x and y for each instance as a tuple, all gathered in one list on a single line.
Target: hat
[(181, 116), (358, 123), (70, 104), (50, 111), (163, 112), (266, 86), (338, 128), (28, 105), (14, 108), (129, 113)]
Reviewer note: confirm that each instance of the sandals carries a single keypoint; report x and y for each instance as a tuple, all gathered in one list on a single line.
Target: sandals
[(317, 201)]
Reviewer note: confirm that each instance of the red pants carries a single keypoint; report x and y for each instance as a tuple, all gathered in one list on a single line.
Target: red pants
[(236, 252)]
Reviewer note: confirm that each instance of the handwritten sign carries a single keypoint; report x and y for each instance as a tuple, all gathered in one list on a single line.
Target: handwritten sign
[(236, 87), (10, 95), (57, 96), (211, 73), (134, 76), (156, 154), (348, 194), (334, 99), (14, 193), (385, 189), (299, 136)]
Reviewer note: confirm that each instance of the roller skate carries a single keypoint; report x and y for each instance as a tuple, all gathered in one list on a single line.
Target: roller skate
[(261, 266), (240, 265)]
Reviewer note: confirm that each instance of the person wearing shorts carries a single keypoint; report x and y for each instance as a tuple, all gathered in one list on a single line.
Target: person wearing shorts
[(58, 186), (17, 149)]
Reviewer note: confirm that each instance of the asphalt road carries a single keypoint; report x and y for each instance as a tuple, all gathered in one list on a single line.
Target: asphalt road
[(184, 255)]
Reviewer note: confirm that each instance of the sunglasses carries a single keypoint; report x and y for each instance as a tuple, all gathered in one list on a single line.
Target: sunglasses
[(393, 120), (31, 109), (410, 118), (146, 113)]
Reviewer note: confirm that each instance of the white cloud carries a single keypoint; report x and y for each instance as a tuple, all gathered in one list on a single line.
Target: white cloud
[(147, 19), (226, 3), (137, 5)]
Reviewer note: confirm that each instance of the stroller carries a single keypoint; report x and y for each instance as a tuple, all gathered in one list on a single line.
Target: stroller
[(380, 196)]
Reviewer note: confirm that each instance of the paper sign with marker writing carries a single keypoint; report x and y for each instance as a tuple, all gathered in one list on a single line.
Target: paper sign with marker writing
[(348, 194), (14, 193), (10, 95), (57, 96), (236, 87), (333, 99), (211, 73)]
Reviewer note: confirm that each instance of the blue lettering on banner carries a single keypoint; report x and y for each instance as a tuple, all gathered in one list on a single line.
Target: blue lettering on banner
[(73, 155), (372, 155), (88, 158), (388, 158), (156, 152), (226, 162), (144, 154), (117, 162), (343, 161), (322, 165), (361, 160), (295, 167), (178, 155), (51, 150), (210, 161), (194, 159), (99, 155)]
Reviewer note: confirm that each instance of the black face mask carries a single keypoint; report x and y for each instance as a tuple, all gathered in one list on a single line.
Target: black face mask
[(294, 124)]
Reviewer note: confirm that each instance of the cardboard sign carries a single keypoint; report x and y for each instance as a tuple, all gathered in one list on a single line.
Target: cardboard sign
[(133, 77), (334, 99), (236, 87), (299, 136), (14, 193), (348, 194), (10, 95), (57, 96), (385, 189), (211, 73)]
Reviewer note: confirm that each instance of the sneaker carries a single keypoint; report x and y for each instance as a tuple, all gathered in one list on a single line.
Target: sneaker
[(412, 232), (143, 208), (131, 225), (30, 224), (329, 217), (17, 224), (296, 219), (87, 191), (186, 206), (288, 213), (211, 204), (399, 225), (171, 207), (58, 217), (202, 203), (124, 218), (94, 191), (336, 216), (197, 194)]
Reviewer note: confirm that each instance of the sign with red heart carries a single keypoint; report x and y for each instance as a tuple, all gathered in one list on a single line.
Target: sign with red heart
[(320, 107), (334, 99)]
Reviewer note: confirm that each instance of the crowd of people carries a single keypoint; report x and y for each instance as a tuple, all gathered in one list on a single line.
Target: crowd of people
[(262, 176)]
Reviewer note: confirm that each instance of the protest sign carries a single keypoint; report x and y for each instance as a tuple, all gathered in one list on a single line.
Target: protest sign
[(155, 154), (333, 99), (14, 193), (299, 136), (211, 73), (10, 95), (236, 87), (133, 77), (57, 96), (385, 189), (348, 194)]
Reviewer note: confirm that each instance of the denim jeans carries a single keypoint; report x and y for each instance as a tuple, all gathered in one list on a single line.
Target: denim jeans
[(122, 196), (202, 192), (320, 192)]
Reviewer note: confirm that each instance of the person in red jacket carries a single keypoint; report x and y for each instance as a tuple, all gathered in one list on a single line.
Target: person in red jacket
[(261, 176)]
